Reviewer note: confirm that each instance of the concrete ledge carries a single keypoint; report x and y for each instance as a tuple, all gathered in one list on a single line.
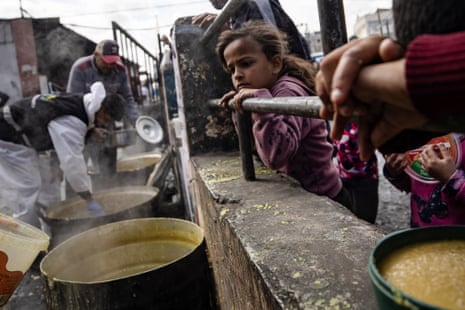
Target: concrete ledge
[(272, 245)]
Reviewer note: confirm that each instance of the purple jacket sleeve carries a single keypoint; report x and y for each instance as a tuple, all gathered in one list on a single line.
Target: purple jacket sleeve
[(277, 136)]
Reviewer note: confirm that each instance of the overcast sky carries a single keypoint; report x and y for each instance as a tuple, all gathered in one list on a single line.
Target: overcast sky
[(143, 19)]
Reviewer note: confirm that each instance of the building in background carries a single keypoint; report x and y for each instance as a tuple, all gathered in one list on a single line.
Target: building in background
[(314, 39), (37, 55), (379, 22)]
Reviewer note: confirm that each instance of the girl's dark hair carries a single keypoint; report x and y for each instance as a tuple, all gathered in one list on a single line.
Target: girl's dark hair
[(113, 105), (416, 17), (273, 42)]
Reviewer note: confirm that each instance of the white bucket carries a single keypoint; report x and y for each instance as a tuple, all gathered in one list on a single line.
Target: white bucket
[(20, 243)]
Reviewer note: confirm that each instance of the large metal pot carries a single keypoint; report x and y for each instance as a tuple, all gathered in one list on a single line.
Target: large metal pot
[(137, 162), (121, 138), (70, 217), (150, 263)]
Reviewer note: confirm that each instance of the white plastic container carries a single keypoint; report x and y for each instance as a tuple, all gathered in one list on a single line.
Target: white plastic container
[(20, 243)]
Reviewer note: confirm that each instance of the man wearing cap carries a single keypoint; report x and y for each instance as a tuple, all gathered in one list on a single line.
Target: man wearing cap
[(46, 122), (104, 65)]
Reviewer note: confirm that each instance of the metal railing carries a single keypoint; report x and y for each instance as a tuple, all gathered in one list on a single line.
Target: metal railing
[(300, 106), (138, 61)]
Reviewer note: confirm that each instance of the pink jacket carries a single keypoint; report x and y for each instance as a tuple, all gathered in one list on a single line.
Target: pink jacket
[(435, 203), (294, 145)]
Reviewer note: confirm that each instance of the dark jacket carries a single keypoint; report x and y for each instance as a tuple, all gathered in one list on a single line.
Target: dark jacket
[(33, 114), (257, 10)]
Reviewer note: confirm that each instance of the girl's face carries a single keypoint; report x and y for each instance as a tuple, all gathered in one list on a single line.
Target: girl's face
[(249, 66)]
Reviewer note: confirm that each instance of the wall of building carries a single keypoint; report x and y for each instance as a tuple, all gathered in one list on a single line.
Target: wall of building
[(315, 42), (37, 52), (23, 37), (379, 22), (10, 82), (57, 47)]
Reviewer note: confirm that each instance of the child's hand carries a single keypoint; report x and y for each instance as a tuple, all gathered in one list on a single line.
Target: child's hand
[(237, 97), (241, 95), (395, 163), (224, 101), (437, 162)]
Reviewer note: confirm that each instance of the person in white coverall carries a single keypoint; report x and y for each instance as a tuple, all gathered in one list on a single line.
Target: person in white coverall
[(44, 122)]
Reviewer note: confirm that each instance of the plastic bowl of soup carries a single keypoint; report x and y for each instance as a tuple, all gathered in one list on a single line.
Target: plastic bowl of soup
[(420, 268)]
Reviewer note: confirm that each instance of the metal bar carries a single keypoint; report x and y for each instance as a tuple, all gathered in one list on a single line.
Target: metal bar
[(332, 24), (302, 106), (132, 39), (135, 58), (310, 107), (244, 124), (223, 17)]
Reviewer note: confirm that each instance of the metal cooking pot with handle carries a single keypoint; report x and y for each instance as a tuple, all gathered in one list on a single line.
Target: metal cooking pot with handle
[(121, 137), (70, 217), (149, 129), (145, 263)]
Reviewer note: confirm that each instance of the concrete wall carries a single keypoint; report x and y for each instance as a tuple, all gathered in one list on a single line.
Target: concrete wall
[(201, 77), (273, 245)]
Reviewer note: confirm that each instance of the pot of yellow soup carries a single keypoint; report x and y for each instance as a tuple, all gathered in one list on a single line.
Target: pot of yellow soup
[(144, 263), (420, 268)]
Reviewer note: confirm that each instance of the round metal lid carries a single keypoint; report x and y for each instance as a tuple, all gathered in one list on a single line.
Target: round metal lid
[(149, 129)]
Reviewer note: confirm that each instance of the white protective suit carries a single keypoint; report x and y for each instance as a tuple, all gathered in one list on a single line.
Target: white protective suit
[(20, 180)]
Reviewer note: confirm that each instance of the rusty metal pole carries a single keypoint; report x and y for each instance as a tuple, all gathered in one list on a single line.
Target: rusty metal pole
[(221, 19), (244, 124), (308, 106), (332, 24), (301, 106)]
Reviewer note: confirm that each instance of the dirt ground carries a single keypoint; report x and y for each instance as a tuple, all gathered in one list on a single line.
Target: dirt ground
[(393, 208)]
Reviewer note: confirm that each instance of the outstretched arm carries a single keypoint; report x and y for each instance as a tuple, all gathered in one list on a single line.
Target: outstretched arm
[(366, 78)]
